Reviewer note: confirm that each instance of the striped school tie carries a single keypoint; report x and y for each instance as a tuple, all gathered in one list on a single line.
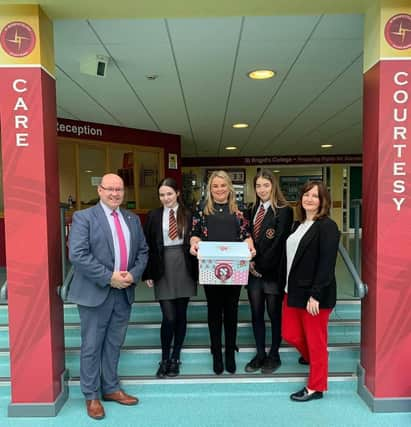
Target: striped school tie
[(172, 226), (258, 221)]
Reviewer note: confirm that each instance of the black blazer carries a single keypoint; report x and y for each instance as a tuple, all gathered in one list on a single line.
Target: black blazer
[(270, 244), (312, 272), (153, 230)]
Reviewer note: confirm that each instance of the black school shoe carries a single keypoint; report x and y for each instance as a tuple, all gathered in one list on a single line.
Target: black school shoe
[(303, 396), (271, 364), (173, 368), (230, 365), (218, 365), (302, 361), (255, 363), (162, 369)]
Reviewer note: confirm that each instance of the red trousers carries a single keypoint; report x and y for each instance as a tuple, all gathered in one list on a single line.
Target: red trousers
[(309, 335)]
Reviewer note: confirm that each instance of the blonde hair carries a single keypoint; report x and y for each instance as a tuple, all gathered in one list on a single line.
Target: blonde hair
[(209, 202), (277, 198)]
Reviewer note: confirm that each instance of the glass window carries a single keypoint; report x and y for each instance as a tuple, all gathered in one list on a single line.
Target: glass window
[(148, 171), (92, 166), (122, 163), (67, 172)]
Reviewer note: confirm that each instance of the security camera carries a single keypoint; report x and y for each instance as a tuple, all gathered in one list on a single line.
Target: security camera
[(95, 66), (102, 62)]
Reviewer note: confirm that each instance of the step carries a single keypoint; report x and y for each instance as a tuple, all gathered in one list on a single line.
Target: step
[(148, 334), (197, 311), (136, 363)]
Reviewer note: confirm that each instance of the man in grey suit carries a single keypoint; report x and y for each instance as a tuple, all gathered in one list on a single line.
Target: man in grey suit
[(109, 254)]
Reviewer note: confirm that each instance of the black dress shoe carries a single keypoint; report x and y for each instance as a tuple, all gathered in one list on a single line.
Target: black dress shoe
[(302, 361), (173, 368), (218, 366), (304, 396), (255, 363), (271, 364), (162, 369)]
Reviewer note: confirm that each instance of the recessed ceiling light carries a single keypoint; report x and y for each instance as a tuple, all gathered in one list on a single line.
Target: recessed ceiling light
[(276, 171), (232, 147), (88, 171), (326, 145), (240, 125), (261, 74)]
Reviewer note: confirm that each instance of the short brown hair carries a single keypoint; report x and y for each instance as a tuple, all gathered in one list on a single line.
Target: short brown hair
[(323, 195)]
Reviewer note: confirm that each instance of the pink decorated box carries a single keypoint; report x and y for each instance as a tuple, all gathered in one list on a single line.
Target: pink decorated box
[(223, 263)]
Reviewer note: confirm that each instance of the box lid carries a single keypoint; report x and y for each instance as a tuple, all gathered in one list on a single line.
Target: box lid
[(226, 250)]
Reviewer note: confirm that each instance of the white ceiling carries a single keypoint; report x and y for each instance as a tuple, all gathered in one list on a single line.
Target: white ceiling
[(203, 88)]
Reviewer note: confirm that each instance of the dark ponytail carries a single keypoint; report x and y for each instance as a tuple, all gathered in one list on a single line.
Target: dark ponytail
[(182, 211)]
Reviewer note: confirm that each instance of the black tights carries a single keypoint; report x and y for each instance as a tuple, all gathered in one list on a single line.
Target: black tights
[(257, 299), (173, 325), (222, 306)]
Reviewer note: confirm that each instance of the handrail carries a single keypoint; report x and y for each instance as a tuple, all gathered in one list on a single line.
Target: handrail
[(63, 208), (360, 286), (64, 289), (3, 291), (356, 205)]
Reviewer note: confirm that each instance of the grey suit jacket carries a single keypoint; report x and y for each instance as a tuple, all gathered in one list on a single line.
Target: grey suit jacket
[(91, 251)]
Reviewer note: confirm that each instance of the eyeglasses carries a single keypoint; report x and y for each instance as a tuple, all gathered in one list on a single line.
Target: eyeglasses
[(112, 189)]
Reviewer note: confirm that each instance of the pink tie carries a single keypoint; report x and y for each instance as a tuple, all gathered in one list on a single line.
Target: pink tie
[(121, 242), (258, 221)]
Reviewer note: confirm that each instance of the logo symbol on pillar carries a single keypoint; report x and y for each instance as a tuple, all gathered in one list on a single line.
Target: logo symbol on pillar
[(397, 31), (18, 39)]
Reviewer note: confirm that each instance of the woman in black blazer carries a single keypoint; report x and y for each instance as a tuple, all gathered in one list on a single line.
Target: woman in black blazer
[(271, 219), (310, 286), (171, 270)]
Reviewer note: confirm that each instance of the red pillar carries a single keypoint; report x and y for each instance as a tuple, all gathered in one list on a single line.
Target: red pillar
[(31, 210), (384, 371)]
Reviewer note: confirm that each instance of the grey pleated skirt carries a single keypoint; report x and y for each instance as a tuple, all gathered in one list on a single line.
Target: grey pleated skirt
[(176, 282)]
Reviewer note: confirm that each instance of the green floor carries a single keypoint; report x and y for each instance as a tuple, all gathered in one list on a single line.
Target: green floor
[(213, 405)]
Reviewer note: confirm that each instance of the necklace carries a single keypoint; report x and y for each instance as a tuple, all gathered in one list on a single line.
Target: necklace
[(219, 207)]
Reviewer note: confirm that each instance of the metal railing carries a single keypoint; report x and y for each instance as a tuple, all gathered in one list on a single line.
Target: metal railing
[(356, 204), (360, 288), (67, 274), (64, 289), (3, 292)]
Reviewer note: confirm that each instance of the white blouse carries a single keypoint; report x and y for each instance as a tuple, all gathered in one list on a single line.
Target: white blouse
[(293, 242)]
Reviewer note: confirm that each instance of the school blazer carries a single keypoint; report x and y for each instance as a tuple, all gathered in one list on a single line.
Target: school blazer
[(312, 273), (270, 244), (153, 230)]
